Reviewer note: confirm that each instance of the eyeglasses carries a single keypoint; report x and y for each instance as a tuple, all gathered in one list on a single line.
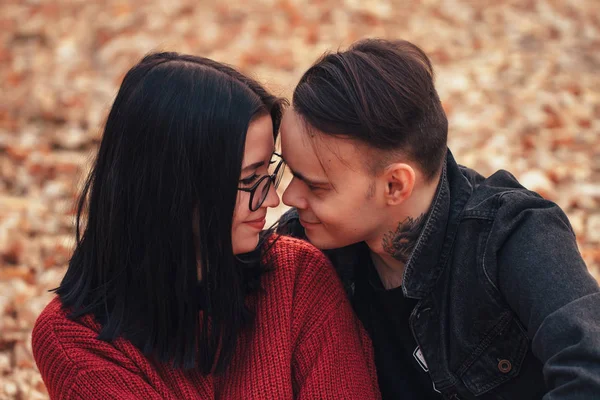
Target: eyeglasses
[(260, 190)]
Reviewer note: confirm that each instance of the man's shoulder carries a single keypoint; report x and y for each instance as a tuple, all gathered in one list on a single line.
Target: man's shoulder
[(518, 218), (502, 195), (510, 207)]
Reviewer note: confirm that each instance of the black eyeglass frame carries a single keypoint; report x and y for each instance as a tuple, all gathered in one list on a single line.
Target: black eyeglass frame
[(273, 181)]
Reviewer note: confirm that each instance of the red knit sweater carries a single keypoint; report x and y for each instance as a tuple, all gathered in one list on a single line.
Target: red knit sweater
[(305, 343)]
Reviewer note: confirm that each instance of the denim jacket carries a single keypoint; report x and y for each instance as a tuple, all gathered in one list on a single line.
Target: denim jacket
[(506, 306)]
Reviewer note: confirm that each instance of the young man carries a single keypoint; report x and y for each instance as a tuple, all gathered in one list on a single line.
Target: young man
[(470, 287)]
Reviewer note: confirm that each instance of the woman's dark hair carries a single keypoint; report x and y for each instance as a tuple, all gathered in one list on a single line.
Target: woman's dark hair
[(170, 156), (380, 93)]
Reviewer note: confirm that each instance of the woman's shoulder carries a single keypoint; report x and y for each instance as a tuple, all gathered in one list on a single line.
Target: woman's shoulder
[(299, 260), (54, 329), (52, 315), (287, 251), (67, 350), (72, 343), (55, 318), (54, 342), (302, 277)]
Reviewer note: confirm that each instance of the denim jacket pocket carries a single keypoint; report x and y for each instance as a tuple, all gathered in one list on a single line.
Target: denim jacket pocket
[(499, 357)]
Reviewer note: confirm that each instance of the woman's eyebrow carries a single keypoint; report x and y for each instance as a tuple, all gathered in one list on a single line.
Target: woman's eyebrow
[(253, 166)]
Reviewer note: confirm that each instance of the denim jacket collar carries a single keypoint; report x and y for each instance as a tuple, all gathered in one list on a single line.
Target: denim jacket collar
[(435, 242)]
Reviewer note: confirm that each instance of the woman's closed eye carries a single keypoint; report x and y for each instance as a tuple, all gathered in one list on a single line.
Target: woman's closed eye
[(249, 180)]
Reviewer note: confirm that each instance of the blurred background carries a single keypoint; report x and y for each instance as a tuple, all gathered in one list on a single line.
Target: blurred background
[(519, 81)]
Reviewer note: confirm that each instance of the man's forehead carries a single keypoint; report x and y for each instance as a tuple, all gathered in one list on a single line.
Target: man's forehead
[(296, 146), (319, 152)]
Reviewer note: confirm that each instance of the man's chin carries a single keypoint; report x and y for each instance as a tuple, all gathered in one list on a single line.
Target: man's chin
[(323, 242)]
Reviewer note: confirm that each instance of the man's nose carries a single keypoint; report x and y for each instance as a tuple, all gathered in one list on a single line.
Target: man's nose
[(293, 197)]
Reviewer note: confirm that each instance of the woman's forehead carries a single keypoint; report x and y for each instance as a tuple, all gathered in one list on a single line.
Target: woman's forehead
[(259, 140)]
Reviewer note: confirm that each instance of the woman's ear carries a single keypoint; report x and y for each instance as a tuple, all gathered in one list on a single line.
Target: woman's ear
[(400, 182)]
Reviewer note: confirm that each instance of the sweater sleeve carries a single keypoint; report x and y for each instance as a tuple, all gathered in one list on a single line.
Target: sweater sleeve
[(114, 383), (81, 367), (333, 357)]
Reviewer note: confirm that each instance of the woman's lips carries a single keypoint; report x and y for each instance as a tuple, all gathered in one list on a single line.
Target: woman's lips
[(257, 223)]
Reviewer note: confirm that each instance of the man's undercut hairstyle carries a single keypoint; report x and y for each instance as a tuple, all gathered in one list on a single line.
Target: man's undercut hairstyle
[(380, 93)]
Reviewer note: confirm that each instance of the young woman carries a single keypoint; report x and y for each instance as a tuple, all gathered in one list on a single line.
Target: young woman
[(172, 292)]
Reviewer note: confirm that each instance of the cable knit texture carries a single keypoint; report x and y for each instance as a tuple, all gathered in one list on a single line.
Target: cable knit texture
[(305, 343)]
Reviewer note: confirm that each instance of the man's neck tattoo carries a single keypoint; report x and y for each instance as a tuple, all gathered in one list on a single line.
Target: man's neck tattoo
[(401, 242)]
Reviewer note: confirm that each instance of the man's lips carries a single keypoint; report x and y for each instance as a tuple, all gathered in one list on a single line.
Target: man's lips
[(306, 223)]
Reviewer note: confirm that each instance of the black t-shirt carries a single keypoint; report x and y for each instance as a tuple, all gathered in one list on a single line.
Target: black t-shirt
[(401, 369)]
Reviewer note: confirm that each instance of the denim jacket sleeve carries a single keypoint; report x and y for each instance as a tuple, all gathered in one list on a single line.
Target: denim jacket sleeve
[(545, 281)]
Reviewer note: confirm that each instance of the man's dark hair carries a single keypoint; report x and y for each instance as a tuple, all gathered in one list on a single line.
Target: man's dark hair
[(380, 93), (170, 157)]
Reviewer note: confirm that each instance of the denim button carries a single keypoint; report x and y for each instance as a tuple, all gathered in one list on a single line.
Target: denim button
[(504, 366)]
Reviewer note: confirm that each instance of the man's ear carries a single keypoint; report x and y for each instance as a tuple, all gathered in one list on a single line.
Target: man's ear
[(400, 182)]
